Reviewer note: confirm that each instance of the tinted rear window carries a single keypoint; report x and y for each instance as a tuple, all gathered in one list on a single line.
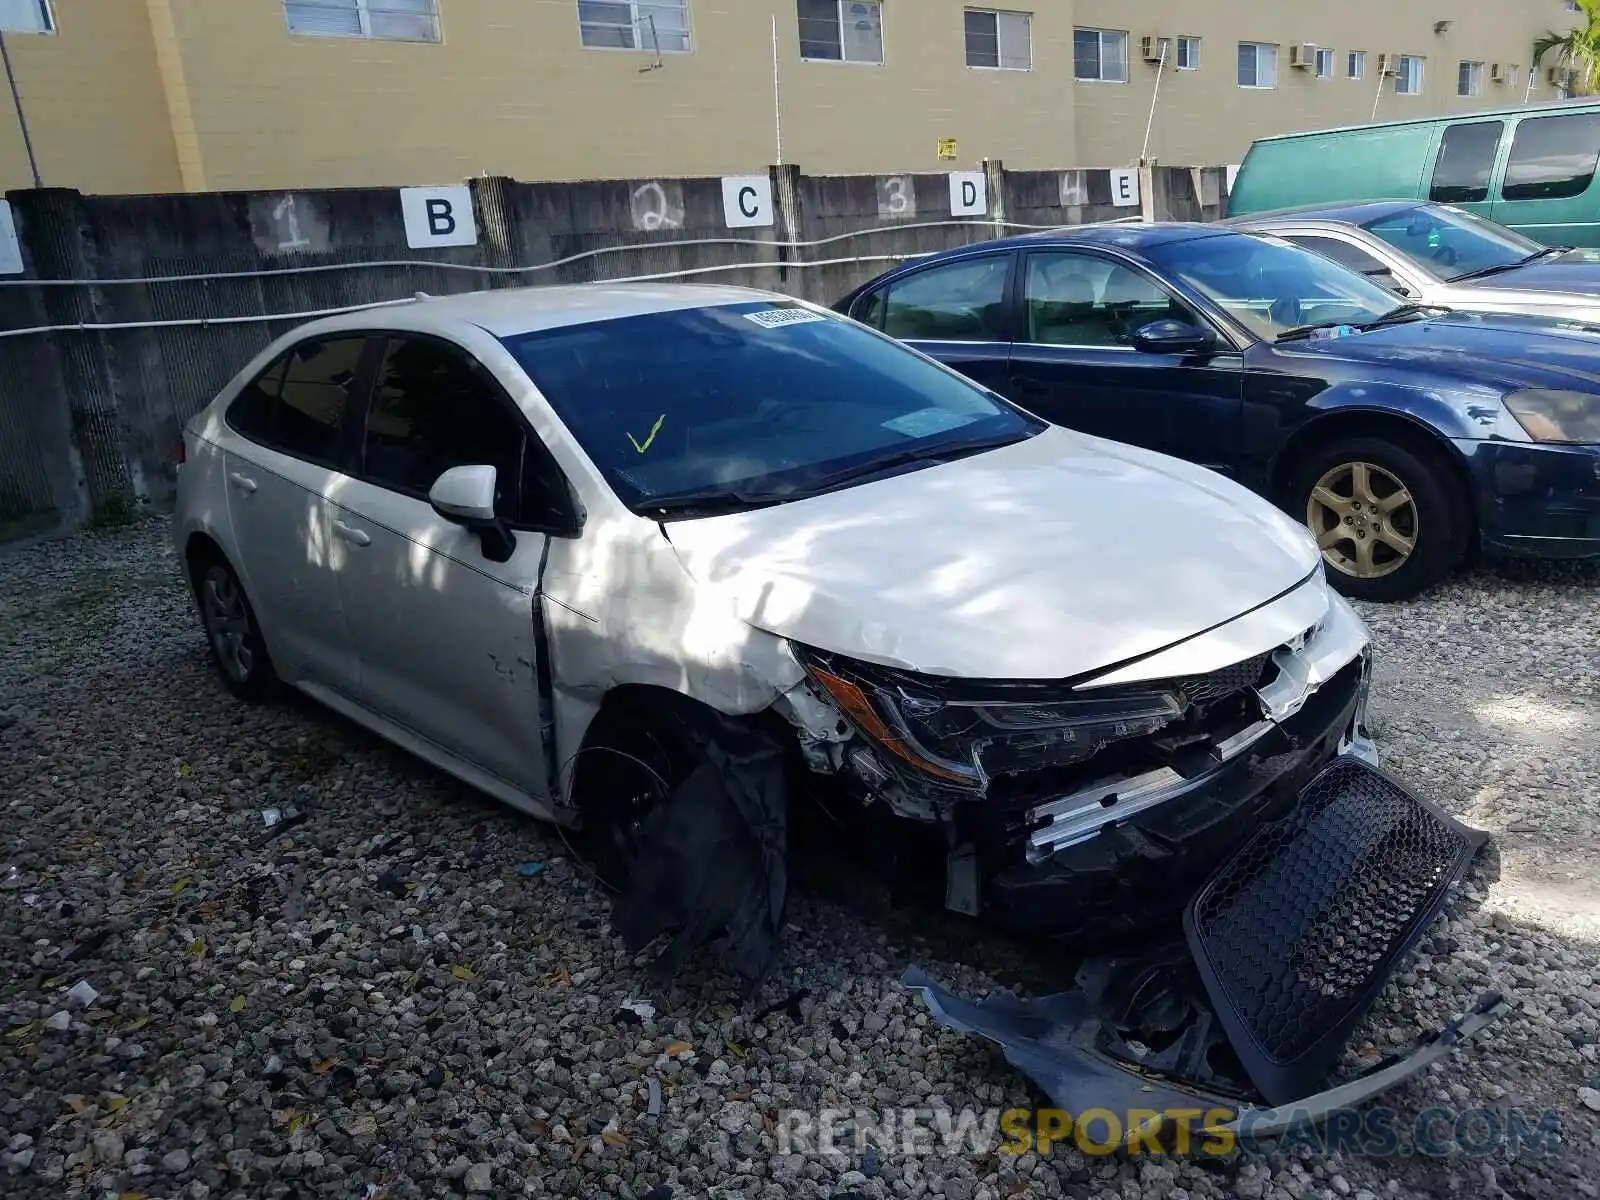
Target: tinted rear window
[(759, 395), (1552, 157), (1466, 159)]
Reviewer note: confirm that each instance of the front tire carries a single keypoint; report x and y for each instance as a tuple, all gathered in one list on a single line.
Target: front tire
[(1389, 519), (238, 650)]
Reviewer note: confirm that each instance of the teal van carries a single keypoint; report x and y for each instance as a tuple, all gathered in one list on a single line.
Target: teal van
[(1531, 168)]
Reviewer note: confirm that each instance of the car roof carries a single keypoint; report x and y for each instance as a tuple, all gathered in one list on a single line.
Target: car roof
[(1132, 237), (510, 311), (1531, 110), (1355, 212)]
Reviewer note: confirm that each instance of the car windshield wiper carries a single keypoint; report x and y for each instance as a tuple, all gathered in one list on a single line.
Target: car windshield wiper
[(1404, 312), (943, 452), (709, 501), (1483, 272)]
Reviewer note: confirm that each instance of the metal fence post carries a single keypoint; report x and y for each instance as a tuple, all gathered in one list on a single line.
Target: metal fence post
[(55, 223), (788, 224), (994, 179)]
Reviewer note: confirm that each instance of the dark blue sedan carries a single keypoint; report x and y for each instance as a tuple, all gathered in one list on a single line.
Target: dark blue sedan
[(1406, 436)]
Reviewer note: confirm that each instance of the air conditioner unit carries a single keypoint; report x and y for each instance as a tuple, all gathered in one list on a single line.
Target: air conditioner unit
[(1388, 64), (1155, 49), (1497, 73), (1303, 56)]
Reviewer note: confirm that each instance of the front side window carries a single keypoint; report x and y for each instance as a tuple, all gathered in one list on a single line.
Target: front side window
[(841, 30), (26, 16), (1469, 79), (1002, 40), (1100, 56), (390, 20), (1080, 300), (1355, 65), (654, 25), (1552, 157), (958, 302), (1408, 79), (1340, 251), (752, 403), (1269, 285), (1258, 65), (1466, 160), (1324, 64), (300, 405), (1188, 54), (434, 407)]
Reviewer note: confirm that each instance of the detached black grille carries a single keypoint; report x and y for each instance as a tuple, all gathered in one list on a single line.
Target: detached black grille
[(1219, 685), (1299, 931)]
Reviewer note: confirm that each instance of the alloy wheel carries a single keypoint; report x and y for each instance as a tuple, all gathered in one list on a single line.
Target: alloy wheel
[(227, 622), (1364, 520)]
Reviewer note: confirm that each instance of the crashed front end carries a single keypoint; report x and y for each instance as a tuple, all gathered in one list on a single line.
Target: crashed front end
[(1234, 824)]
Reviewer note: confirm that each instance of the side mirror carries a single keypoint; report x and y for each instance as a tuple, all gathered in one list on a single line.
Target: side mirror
[(1384, 278), (1172, 337), (465, 496)]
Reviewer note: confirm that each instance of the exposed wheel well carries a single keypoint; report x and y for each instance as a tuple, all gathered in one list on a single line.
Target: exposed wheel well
[(199, 551), (1417, 438)]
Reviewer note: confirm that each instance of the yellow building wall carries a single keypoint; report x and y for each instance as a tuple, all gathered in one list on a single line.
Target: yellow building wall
[(94, 101), (1204, 117)]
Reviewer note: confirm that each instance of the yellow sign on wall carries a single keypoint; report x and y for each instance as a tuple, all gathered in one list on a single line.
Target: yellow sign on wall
[(947, 147)]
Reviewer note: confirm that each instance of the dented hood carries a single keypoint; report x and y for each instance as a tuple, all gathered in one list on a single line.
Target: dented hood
[(1042, 560)]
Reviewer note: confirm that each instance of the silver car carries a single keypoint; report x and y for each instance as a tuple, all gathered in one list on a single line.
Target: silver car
[(1436, 254)]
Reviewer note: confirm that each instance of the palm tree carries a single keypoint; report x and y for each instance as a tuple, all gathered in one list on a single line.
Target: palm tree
[(1577, 51)]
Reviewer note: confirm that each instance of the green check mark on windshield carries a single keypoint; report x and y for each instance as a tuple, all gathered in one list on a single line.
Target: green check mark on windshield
[(641, 447)]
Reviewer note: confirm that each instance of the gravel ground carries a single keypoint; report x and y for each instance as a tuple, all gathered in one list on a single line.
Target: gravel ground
[(378, 1002)]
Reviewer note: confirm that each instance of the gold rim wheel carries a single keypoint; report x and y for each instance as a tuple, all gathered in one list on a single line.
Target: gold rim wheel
[(1364, 519)]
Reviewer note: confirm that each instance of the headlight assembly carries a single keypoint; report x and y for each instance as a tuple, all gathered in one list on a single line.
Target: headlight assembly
[(964, 740), (1557, 415)]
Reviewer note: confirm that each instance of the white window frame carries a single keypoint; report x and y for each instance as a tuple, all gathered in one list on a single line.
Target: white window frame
[(1474, 78), (1192, 45), (1355, 64), (883, 48), (1324, 58), (1272, 56), (640, 25), (364, 11), (1403, 75), (1117, 37), (46, 17), (1000, 49)]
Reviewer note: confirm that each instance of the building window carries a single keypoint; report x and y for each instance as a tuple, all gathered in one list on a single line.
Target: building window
[(1324, 64), (1356, 65), (1469, 79), (392, 20), (1002, 40), (1100, 56), (26, 16), (841, 30), (1258, 65), (634, 25), (1408, 81), (1188, 54)]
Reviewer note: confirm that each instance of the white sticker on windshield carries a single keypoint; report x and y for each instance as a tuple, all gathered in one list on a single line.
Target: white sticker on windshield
[(772, 318), (925, 421)]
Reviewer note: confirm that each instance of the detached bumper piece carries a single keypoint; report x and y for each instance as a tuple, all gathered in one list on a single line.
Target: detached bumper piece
[(1286, 948)]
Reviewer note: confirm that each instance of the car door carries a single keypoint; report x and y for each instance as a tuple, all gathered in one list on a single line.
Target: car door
[(446, 637), (1548, 190), (290, 434), (1074, 363), (956, 312)]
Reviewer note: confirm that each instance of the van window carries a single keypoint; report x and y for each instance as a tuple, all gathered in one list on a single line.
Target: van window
[(1552, 157), (1466, 158)]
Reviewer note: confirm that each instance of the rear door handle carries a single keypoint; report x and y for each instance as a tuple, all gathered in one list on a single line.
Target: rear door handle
[(243, 482), (1034, 387), (351, 534)]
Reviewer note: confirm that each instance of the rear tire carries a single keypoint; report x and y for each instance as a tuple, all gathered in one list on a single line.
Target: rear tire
[(1390, 519), (238, 650)]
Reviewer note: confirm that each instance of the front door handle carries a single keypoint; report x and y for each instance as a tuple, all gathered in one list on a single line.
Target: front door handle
[(242, 482), (1034, 387), (351, 534)]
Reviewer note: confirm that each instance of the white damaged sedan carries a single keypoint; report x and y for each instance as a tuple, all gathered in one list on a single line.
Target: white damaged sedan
[(675, 565)]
